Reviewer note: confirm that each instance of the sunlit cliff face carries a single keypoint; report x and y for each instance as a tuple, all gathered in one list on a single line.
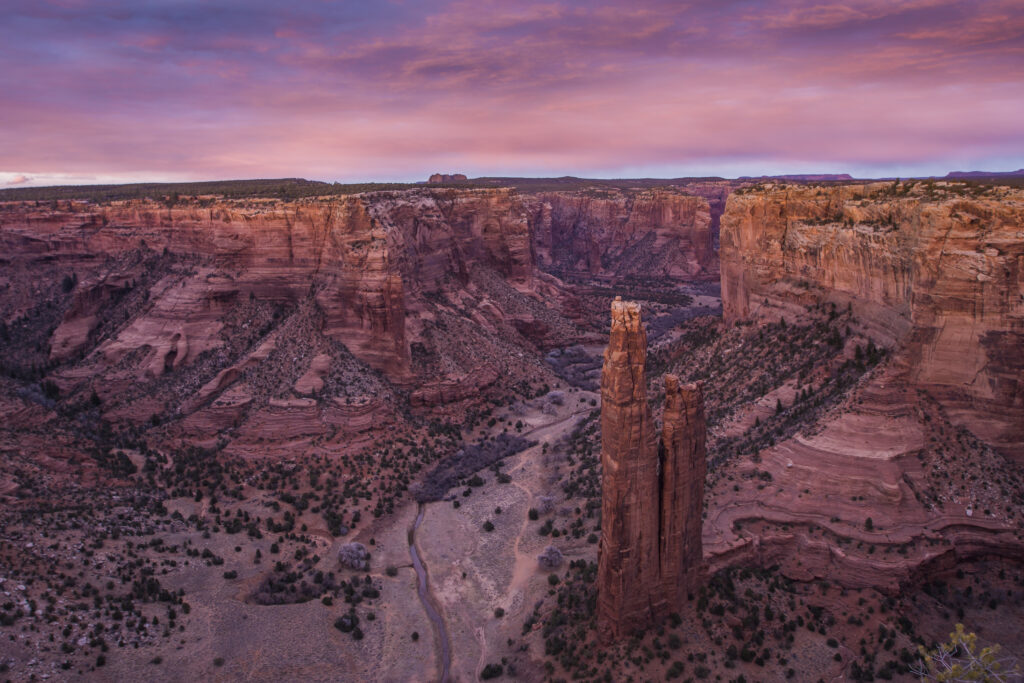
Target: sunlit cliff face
[(124, 90)]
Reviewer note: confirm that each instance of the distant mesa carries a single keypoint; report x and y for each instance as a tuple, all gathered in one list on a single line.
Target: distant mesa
[(803, 177), (439, 178), (986, 174)]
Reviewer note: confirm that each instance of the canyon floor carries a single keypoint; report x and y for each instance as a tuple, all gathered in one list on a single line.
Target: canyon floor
[(796, 614)]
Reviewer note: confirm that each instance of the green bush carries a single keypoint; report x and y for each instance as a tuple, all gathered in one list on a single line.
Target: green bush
[(492, 671)]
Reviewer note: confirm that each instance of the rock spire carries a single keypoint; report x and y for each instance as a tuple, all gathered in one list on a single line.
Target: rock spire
[(652, 491)]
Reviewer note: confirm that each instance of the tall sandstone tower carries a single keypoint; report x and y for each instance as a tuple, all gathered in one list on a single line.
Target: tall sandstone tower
[(652, 490)]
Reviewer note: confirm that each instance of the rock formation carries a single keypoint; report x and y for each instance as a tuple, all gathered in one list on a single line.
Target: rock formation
[(243, 315), (629, 590), (937, 268), (369, 259), (932, 272), (652, 493), (439, 178), (656, 233), (683, 466)]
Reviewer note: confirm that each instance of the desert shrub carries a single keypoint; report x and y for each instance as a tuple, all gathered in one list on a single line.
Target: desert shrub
[(346, 623), (354, 556), (464, 462), (551, 558), (492, 671)]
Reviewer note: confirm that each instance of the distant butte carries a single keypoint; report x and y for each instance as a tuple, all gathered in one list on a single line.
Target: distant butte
[(439, 178)]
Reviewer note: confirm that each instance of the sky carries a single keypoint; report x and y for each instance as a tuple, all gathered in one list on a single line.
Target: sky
[(95, 91)]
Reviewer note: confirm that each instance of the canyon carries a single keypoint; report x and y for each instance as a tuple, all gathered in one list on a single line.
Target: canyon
[(929, 277), (378, 282), (206, 399)]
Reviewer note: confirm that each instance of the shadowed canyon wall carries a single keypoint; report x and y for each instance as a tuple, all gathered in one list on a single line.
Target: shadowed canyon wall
[(649, 234)]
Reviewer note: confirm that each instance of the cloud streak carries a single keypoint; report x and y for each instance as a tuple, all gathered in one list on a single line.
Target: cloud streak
[(394, 90)]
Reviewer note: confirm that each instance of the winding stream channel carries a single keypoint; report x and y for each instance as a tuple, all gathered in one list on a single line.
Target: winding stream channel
[(428, 605)]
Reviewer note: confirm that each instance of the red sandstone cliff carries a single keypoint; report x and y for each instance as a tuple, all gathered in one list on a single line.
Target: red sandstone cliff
[(369, 259), (936, 269), (228, 311)]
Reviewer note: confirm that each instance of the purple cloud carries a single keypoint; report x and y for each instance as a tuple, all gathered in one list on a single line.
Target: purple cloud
[(393, 90)]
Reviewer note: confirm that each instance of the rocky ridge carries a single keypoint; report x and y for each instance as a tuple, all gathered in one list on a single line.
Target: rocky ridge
[(920, 458)]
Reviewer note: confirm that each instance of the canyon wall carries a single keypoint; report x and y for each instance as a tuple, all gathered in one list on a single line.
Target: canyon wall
[(650, 556), (935, 270), (369, 260), (647, 234)]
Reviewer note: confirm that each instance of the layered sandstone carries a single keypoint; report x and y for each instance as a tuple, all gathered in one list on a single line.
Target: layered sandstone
[(652, 493), (934, 497), (273, 325), (935, 270), (628, 573), (647, 234), (369, 260)]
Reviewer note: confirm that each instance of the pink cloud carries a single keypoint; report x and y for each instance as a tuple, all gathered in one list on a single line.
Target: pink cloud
[(526, 87)]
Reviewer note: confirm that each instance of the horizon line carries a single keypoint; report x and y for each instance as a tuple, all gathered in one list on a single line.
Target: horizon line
[(841, 175)]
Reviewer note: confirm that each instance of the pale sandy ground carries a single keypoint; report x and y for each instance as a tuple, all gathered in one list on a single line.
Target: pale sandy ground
[(291, 642), (472, 572)]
